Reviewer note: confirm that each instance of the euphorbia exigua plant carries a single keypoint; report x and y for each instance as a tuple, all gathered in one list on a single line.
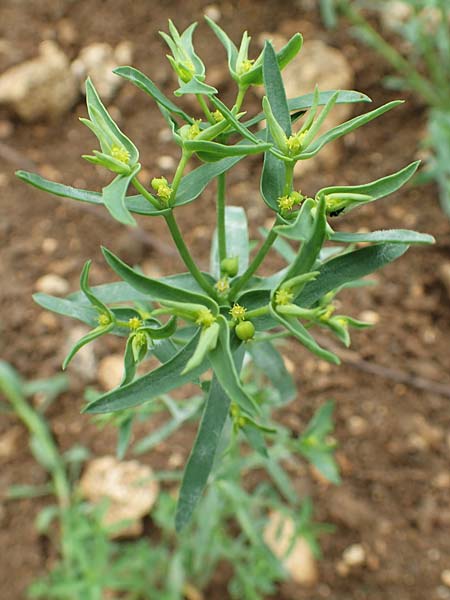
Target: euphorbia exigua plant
[(196, 321)]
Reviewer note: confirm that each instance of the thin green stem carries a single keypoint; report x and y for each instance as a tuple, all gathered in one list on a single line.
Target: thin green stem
[(289, 178), (240, 97), (254, 265), (221, 233), (39, 430), (178, 175), (141, 189), (257, 312), (186, 255), (205, 108)]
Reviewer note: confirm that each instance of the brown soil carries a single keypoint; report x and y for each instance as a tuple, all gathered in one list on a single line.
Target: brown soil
[(394, 455)]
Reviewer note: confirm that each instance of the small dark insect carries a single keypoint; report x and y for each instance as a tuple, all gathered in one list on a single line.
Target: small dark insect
[(336, 213)]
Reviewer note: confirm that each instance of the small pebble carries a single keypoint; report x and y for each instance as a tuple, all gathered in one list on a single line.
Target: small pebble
[(354, 555), (166, 163), (445, 577), (213, 12), (52, 284), (110, 371)]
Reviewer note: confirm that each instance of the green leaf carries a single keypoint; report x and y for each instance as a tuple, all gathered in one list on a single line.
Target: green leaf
[(67, 308), (313, 443), (203, 453), (125, 431), (256, 77), (219, 151), (195, 86), (300, 229), (144, 83), (392, 236), (271, 364), (129, 363), (86, 339), (349, 267), (165, 378), (304, 337), (311, 247), (306, 101), (256, 439), (87, 291), (137, 204), (113, 196), (222, 363), (153, 288), (232, 51), (376, 189), (102, 120), (345, 128), (236, 229), (275, 91), (206, 343)]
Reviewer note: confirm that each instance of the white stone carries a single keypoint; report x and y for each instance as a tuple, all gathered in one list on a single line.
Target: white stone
[(354, 555), (41, 88), (130, 487), (110, 371), (300, 562), (445, 577), (98, 61), (52, 284)]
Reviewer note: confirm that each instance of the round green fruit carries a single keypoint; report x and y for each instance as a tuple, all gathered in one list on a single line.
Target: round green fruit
[(230, 266), (245, 330)]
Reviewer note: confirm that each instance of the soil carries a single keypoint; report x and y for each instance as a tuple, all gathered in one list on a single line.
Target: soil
[(394, 439)]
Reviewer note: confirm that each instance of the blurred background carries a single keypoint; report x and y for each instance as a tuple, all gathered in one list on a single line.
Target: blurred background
[(392, 392)]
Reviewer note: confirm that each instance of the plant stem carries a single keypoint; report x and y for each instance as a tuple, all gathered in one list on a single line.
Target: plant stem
[(10, 386), (185, 156), (254, 265), (221, 234), (240, 97), (257, 312), (186, 255), (205, 108), (141, 189), (289, 177)]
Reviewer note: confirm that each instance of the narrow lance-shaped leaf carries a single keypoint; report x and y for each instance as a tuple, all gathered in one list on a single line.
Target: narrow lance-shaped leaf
[(307, 100), (114, 198), (311, 247), (222, 150), (345, 128), (376, 189), (223, 366), (274, 171), (201, 459), (304, 337), (230, 47), (165, 378), (144, 83), (156, 290), (89, 337), (349, 267), (392, 236)]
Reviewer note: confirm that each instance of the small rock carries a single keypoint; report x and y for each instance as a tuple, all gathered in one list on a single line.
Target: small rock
[(369, 316), (346, 508), (9, 441), (357, 425), (300, 562), (49, 245), (52, 284), (129, 486), (445, 577), (110, 371), (213, 12), (395, 14), (6, 129), (41, 88), (442, 480), (98, 61), (354, 556), (166, 162)]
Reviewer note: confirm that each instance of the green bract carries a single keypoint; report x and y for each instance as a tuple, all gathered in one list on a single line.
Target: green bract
[(199, 324)]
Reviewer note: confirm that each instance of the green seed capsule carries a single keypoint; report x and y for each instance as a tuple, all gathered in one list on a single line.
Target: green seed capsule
[(245, 330), (230, 266)]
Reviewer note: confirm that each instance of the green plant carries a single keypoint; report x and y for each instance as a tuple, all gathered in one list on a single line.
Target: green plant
[(229, 527), (423, 67), (196, 321)]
